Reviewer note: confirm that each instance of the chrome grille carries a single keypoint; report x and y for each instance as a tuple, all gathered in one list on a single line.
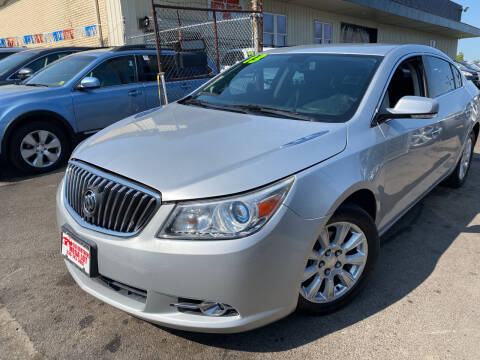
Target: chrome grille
[(107, 203)]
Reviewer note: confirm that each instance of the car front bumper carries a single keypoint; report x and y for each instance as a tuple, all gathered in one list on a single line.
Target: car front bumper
[(259, 275)]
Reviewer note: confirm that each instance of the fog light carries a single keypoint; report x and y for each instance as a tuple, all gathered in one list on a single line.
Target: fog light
[(213, 308), (207, 308)]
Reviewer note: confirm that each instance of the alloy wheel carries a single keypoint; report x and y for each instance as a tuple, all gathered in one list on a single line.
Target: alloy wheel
[(465, 160), (335, 263), (40, 148)]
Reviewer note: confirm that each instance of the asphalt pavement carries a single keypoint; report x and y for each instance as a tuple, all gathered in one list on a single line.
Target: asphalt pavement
[(423, 301)]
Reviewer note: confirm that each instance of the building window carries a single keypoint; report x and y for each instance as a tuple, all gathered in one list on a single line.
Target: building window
[(358, 34), (274, 30), (322, 33)]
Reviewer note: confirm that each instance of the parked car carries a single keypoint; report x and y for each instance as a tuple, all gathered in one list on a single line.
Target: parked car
[(234, 206), (17, 67), (469, 73), (473, 65), (4, 52), (41, 119)]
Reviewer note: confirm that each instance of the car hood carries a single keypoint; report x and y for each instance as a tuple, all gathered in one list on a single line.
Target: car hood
[(188, 152), (8, 91)]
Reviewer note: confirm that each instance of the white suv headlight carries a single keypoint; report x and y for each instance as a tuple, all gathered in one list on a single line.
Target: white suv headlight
[(227, 218)]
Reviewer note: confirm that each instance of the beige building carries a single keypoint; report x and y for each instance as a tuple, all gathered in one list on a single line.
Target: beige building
[(287, 22)]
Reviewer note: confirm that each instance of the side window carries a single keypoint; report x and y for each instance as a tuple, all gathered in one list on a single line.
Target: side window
[(192, 64), (148, 66), (117, 71), (457, 76), (406, 81), (38, 64), (439, 76), (53, 57)]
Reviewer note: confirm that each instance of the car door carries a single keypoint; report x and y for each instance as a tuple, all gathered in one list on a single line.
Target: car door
[(120, 94), (445, 86), (175, 85), (192, 71), (148, 70), (410, 152)]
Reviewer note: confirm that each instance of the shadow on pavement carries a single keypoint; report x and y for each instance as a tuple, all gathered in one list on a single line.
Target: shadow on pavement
[(410, 251), (8, 174)]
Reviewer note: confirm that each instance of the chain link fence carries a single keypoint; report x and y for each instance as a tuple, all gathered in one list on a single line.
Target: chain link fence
[(197, 43)]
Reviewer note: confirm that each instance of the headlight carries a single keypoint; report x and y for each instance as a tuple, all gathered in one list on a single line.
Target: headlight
[(227, 218), (467, 75)]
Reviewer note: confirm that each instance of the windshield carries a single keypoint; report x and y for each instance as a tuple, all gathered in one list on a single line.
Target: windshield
[(11, 62), (314, 87), (60, 72)]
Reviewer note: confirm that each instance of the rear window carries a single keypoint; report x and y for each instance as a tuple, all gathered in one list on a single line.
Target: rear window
[(439, 76), (176, 66), (457, 77)]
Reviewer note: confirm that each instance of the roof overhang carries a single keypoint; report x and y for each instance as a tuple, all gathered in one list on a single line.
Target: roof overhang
[(392, 13)]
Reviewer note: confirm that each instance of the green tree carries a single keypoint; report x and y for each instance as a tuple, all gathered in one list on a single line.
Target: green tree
[(459, 56)]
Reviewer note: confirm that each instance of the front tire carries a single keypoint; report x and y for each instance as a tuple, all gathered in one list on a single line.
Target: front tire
[(341, 262), (459, 175), (38, 147)]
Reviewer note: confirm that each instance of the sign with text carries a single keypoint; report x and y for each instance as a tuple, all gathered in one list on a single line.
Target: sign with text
[(226, 5)]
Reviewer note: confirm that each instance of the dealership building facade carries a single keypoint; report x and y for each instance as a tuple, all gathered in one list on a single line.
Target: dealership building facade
[(285, 23)]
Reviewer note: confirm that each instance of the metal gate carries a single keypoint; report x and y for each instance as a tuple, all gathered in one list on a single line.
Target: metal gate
[(197, 43)]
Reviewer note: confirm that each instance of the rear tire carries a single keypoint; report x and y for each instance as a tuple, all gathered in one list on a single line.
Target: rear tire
[(337, 273), (38, 147), (459, 175)]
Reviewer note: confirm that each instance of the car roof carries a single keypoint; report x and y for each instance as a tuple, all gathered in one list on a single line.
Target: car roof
[(356, 49), (123, 50), (12, 49), (43, 51)]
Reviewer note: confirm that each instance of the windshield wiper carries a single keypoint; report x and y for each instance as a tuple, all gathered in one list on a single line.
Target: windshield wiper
[(191, 101), (39, 85), (274, 111)]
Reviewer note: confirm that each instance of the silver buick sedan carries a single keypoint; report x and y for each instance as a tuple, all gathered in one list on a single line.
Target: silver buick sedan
[(267, 189)]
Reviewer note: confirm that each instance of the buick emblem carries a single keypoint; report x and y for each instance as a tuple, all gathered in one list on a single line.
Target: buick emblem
[(89, 204)]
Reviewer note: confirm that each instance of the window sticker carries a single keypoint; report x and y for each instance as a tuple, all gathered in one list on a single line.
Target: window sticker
[(146, 57), (254, 59)]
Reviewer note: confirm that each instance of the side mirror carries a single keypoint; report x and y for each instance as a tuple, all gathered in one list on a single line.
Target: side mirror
[(24, 73), (89, 83), (410, 107)]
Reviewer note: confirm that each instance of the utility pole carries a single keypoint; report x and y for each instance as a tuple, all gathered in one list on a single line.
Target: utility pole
[(99, 23), (257, 5), (161, 75)]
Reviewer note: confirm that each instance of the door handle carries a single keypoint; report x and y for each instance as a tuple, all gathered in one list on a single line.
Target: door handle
[(133, 92)]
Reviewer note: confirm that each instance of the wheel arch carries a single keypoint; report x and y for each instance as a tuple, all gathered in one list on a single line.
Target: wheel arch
[(47, 115), (361, 195), (476, 130), (364, 198)]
